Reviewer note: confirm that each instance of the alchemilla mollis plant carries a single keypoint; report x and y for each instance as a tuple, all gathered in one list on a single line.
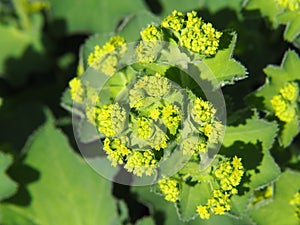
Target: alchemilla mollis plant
[(183, 112)]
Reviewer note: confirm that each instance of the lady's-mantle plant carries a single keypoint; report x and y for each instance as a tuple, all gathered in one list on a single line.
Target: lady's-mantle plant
[(150, 104)]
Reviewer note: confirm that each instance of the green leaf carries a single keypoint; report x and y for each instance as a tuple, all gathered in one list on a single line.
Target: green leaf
[(21, 51), (184, 6), (146, 221), (159, 208), (277, 77), (267, 8), (7, 186), (217, 5), (277, 16), (190, 198), (95, 16), (279, 211), (68, 191), (222, 69), (292, 22)]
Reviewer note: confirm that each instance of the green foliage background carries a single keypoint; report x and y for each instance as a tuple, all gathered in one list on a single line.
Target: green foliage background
[(43, 178)]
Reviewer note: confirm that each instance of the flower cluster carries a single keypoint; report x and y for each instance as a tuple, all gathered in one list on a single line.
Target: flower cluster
[(76, 90), (106, 59), (284, 103), (296, 203), (228, 174), (193, 33), (188, 31), (137, 130), (146, 117), (291, 5), (169, 188), (141, 162)]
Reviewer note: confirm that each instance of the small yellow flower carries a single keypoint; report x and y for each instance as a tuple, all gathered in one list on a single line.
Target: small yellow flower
[(115, 150), (291, 5), (284, 104), (154, 114), (169, 188), (295, 201), (203, 212), (140, 163), (144, 129), (105, 59), (202, 111), (76, 89), (151, 33), (171, 118)]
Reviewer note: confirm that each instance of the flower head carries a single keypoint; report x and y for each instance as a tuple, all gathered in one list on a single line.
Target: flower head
[(284, 103), (77, 91), (105, 59), (140, 163), (169, 188), (151, 33)]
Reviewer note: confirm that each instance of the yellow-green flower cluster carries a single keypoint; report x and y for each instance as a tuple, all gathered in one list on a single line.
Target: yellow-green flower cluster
[(76, 90), (284, 103), (146, 51), (151, 33), (109, 119), (218, 204), (144, 128), (229, 175), (159, 141), (193, 145), (194, 34), (171, 118), (295, 201), (169, 188), (105, 59), (291, 5), (175, 21), (140, 163), (202, 111), (148, 86), (116, 151)]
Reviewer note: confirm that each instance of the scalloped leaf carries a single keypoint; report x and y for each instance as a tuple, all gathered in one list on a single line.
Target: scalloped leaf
[(292, 22), (217, 5), (67, 191), (21, 51), (8, 186), (95, 16), (278, 16), (222, 67), (190, 198), (279, 211), (267, 8), (145, 221), (277, 77)]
